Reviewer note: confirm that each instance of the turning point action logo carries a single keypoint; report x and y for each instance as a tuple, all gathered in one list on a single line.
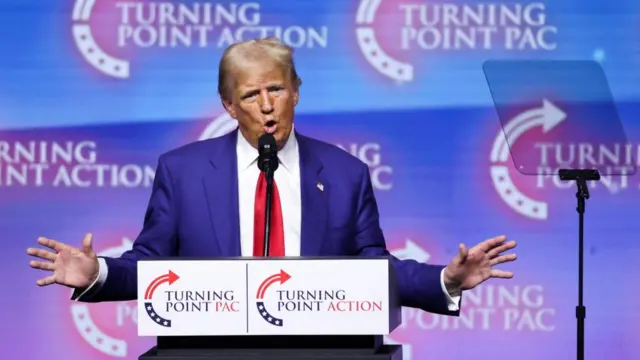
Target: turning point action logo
[(444, 27), (163, 24), (281, 278), (306, 300)]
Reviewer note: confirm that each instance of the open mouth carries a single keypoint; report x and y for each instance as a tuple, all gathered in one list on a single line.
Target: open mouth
[(270, 126)]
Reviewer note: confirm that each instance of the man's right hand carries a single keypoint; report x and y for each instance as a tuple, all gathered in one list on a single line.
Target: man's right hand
[(72, 267)]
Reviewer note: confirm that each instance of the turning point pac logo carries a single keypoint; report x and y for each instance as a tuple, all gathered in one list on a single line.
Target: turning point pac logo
[(281, 278), (169, 278), (169, 303), (547, 116), (407, 28)]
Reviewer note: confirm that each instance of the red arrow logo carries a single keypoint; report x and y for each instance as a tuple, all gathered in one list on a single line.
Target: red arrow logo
[(171, 277), (282, 277)]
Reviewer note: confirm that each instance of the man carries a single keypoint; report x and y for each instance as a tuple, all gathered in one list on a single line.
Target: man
[(207, 200)]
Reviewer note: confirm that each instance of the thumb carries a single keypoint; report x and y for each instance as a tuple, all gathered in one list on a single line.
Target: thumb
[(463, 252), (86, 243)]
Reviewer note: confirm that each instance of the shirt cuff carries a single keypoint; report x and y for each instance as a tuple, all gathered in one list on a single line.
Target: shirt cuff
[(453, 299), (85, 294)]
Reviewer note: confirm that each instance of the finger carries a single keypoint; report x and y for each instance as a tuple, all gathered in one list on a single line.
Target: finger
[(463, 252), (42, 254), (86, 242), (501, 274), (500, 249), (41, 265), (503, 259), (52, 244), (46, 281), (489, 244)]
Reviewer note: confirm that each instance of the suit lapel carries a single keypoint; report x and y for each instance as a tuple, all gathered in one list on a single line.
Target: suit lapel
[(221, 190), (315, 193)]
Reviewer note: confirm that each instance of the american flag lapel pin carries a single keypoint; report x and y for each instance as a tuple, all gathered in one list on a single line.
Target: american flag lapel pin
[(320, 186)]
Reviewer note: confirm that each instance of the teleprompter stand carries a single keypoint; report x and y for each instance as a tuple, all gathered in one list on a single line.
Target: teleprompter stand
[(567, 104), (303, 347), (580, 176)]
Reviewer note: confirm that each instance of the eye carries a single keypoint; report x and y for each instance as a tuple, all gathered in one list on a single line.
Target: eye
[(276, 89), (250, 96)]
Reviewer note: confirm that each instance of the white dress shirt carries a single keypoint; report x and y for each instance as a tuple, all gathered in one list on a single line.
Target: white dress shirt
[(287, 179)]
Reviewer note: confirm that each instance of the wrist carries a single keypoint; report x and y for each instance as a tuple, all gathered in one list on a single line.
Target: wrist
[(452, 286), (95, 274)]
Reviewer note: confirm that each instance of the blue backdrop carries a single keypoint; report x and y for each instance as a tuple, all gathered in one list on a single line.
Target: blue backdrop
[(92, 91)]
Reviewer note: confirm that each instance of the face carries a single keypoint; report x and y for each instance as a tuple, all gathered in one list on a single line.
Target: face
[(263, 101)]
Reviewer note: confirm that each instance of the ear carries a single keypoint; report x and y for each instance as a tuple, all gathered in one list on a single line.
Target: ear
[(228, 106), (296, 95)]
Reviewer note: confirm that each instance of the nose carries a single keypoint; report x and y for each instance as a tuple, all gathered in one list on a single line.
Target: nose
[(266, 102)]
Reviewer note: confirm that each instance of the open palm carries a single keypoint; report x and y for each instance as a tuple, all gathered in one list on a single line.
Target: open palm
[(72, 267), (471, 267)]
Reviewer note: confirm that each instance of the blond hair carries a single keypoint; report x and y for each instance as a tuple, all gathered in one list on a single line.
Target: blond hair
[(256, 50)]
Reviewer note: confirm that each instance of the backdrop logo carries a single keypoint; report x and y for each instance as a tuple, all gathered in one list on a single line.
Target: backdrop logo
[(518, 308), (67, 163), (168, 278), (221, 125), (368, 152), (547, 116), (281, 278), (545, 138), (445, 26), (133, 25), (89, 48), (93, 331), (410, 250)]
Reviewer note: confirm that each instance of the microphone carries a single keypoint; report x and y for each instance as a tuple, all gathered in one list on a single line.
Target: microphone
[(268, 154), (267, 163)]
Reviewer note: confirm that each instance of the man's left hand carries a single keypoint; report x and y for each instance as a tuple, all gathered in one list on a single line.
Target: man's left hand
[(471, 267)]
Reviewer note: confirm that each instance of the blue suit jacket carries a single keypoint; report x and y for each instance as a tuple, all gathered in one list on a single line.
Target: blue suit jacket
[(193, 212)]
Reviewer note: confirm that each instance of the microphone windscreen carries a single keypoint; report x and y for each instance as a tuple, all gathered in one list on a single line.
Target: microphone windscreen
[(267, 144)]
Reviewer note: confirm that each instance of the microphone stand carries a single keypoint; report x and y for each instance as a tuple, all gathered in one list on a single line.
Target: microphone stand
[(580, 176), (267, 212)]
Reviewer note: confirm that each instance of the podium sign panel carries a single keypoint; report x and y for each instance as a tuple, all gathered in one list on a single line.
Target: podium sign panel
[(266, 297), (191, 297)]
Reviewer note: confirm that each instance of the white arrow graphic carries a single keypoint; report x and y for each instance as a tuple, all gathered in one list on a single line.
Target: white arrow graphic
[(548, 116), (411, 250)]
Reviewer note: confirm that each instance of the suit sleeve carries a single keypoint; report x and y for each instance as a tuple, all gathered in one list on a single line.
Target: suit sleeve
[(158, 238), (419, 284)]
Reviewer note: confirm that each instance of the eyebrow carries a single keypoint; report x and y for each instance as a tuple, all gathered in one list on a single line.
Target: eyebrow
[(252, 92)]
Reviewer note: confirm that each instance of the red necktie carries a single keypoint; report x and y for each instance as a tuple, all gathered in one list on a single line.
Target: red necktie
[(276, 242)]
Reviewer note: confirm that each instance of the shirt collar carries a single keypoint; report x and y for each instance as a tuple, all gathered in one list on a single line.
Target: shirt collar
[(248, 155)]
